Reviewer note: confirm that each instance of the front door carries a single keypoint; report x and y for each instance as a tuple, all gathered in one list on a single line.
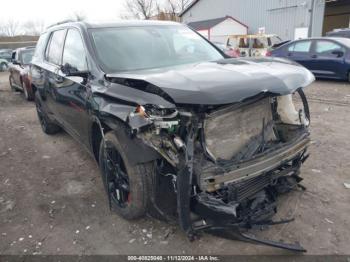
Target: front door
[(73, 91), (328, 59)]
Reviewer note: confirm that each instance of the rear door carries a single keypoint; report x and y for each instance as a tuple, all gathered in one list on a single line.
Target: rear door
[(53, 60), (15, 68), (328, 59), (300, 52)]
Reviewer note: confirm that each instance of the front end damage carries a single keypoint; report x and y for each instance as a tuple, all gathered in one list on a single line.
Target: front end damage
[(228, 163)]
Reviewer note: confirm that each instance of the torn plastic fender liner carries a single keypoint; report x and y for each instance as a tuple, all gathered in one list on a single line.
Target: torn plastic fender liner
[(287, 112)]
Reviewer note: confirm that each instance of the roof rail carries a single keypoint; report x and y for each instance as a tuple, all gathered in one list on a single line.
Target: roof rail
[(62, 22)]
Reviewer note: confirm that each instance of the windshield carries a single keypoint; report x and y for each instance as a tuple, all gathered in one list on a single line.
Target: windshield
[(27, 56), (146, 47)]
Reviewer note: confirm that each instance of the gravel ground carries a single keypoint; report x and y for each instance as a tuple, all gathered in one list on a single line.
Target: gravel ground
[(52, 200)]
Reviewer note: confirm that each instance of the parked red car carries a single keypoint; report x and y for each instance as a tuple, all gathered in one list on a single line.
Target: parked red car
[(19, 71)]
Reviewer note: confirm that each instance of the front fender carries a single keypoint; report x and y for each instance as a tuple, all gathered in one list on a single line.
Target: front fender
[(134, 148)]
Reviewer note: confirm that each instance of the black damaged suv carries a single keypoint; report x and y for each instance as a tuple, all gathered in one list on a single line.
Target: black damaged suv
[(177, 128)]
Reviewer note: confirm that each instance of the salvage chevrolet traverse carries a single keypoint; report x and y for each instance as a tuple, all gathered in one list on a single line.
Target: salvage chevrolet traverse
[(178, 129)]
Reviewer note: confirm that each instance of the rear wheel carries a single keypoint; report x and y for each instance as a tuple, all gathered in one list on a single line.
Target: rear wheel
[(47, 125), (27, 95), (128, 187), (349, 77)]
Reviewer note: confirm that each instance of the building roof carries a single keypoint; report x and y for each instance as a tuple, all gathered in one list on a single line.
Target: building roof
[(207, 24)]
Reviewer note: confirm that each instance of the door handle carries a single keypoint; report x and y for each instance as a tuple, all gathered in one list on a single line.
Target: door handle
[(314, 56)]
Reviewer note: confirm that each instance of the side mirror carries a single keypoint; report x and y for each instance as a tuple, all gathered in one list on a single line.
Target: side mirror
[(69, 70), (338, 53)]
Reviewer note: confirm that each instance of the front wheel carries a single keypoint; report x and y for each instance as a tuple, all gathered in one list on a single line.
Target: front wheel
[(128, 187)]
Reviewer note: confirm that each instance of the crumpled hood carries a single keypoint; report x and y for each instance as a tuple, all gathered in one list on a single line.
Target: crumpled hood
[(226, 81)]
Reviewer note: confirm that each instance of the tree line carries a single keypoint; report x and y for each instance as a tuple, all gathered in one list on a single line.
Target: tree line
[(136, 9), (149, 9)]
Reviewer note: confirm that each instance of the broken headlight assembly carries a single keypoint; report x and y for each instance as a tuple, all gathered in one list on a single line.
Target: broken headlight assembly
[(161, 118)]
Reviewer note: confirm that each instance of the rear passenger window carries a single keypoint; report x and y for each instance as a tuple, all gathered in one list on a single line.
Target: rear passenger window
[(74, 52), (54, 50), (301, 47)]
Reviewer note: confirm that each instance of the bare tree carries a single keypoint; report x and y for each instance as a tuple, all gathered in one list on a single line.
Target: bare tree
[(171, 9), (141, 9), (79, 16), (9, 28), (161, 9), (183, 4), (33, 27)]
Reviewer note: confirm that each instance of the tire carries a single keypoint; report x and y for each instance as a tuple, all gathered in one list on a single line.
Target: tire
[(134, 186), (27, 95), (349, 77), (47, 125), (13, 88), (3, 67)]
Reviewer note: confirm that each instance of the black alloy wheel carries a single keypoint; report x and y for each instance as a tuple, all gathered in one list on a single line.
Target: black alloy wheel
[(117, 179), (129, 185)]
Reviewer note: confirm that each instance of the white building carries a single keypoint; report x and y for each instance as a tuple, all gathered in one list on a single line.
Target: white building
[(290, 19), (218, 29)]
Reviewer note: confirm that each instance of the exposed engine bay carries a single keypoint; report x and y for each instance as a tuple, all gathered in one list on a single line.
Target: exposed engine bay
[(228, 164)]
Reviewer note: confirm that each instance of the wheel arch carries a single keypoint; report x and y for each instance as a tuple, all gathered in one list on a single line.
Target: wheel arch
[(98, 129), (135, 149)]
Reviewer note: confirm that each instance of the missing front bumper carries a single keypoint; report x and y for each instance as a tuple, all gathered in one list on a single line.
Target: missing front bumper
[(255, 167)]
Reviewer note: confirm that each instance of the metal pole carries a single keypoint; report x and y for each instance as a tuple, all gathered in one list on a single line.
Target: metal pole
[(311, 10)]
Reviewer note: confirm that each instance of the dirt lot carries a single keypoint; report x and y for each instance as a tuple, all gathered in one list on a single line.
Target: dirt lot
[(52, 199)]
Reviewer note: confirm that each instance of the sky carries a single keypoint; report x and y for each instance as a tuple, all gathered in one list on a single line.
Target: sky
[(53, 11)]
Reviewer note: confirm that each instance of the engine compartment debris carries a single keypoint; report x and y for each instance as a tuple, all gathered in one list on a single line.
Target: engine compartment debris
[(230, 163)]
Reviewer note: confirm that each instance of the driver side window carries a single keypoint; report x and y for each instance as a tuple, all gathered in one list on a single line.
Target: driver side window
[(74, 52), (327, 47)]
